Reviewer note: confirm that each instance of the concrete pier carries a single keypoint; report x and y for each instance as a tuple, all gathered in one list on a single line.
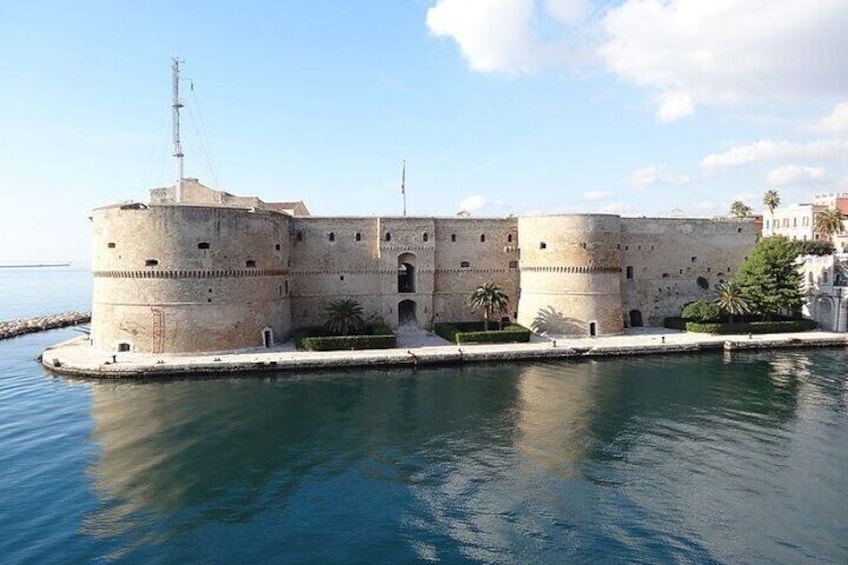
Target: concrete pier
[(13, 328), (76, 357)]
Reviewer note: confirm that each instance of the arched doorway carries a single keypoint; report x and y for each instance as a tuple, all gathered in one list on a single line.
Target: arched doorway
[(407, 313), (635, 318), (406, 273), (824, 312)]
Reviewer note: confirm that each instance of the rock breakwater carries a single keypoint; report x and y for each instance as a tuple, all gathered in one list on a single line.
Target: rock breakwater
[(12, 328)]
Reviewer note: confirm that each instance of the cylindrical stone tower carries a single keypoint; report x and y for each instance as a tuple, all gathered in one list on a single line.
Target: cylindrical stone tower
[(189, 279), (570, 274)]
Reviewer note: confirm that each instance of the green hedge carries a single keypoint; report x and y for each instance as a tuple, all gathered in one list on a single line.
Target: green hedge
[(473, 332), (752, 327), (317, 338), (675, 323)]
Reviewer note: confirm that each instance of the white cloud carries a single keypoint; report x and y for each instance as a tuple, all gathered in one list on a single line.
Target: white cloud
[(705, 205), (596, 194), (568, 12), (794, 175), (767, 150), (836, 122), (493, 35), (746, 197), (620, 208), (513, 36), (473, 203), (654, 175), (697, 52)]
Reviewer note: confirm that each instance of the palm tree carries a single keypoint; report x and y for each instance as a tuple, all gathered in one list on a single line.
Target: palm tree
[(731, 300), (490, 298), (739, 209), (771, 199), (344, 317), (830, 223)]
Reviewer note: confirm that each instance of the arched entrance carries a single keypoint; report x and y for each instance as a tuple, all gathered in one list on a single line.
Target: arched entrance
[(635, 318), (407, 313), (406, 273), (824, 312)]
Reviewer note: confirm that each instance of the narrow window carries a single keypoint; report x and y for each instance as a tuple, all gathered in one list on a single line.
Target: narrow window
[(794, 222), (739, 230), (277, 247), (465, 264), (203, 245), (123, 346), (358, 236), (453, 237), (151, 263), (341, 277), (513, 264), (665, 275), (299, 236), (287, 287), (694, 259), (388, 236), (543, 245), (331, 236), (509, 238), (250, 264), (629, 271), (111, 245), (482, 238), (425, 237)]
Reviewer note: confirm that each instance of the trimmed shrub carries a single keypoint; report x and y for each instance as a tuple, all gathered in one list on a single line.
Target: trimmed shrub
[(318, 338), (472, 332), (701, 311), (349, 342), (675, 323), (752, 327)]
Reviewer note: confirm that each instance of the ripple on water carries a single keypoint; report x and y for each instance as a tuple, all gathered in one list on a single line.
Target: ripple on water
[(700, 459)]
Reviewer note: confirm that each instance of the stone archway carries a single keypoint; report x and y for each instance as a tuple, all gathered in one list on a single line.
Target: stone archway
[(407, 313), (824, 312), (406, 273)]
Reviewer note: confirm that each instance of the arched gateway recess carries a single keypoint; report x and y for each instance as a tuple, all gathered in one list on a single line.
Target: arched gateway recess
[(635, 318), (406, 313), (406, 273)]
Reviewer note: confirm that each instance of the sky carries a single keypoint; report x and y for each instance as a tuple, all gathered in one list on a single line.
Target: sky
[(499, 107)]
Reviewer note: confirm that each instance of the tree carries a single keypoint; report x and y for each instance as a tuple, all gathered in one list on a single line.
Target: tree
[(344, 317), (815, 247), (490, 298), (731, 300), (771, 200), (700, 311), (830, 223), (770, 279), (739, 209)]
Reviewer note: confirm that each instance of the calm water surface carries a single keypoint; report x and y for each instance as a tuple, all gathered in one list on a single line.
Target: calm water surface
[(708, 459)]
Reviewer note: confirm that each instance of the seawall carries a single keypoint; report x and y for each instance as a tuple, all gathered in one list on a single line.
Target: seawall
[(77, 358), (13, 328)]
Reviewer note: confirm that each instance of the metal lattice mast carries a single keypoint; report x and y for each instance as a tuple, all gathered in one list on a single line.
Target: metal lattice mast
[(178, 150)]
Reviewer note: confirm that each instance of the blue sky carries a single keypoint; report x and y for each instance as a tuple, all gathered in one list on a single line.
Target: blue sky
[(640, 107)]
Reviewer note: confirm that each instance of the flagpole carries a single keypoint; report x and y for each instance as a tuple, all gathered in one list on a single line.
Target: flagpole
[(403, 185)]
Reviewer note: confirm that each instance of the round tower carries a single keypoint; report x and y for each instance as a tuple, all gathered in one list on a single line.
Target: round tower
[(570, 274), (189, 279)]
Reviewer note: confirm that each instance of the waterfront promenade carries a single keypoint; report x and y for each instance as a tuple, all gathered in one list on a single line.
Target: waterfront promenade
[(415, 349)]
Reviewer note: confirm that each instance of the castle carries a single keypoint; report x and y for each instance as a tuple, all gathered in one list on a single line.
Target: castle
[(206, 271)]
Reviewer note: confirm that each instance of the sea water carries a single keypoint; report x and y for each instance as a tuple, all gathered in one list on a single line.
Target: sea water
[(714, 458)]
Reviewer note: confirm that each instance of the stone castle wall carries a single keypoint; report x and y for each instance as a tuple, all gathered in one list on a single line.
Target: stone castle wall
[(667, 263), (186, 278)]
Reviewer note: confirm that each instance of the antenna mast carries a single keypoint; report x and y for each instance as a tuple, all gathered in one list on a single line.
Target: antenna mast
[(178, 150)]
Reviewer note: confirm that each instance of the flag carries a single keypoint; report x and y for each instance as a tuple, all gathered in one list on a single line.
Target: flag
[(403, 179)]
